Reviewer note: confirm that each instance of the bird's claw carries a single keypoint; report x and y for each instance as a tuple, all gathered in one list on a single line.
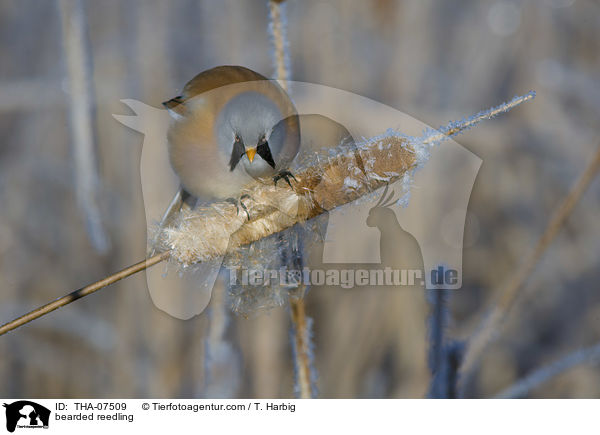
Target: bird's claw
[(239, 203), (286, 176), (244, 196)]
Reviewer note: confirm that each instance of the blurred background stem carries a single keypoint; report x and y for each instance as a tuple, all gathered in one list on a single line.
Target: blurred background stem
[(79, 73), (300, 334)]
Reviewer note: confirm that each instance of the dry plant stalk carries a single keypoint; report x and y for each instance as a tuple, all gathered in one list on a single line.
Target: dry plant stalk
[(277, 28), (321, 185), (82, 292), (281, 59), (522, 387), (212, 231), (490, 327), (302, 346), (205, 233), (81, 120)]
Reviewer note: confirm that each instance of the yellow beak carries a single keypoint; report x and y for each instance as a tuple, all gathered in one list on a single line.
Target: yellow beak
[(251, 152)]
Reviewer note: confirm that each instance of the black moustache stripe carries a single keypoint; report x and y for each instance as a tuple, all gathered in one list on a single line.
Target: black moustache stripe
[(236, 154), (264, 151)]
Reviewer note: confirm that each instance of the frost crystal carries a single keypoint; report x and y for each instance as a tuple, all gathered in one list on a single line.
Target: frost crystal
[(351, 183)]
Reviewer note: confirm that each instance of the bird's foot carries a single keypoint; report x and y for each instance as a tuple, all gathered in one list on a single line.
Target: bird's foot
[(286, 175), (245, 196), (239, 203)]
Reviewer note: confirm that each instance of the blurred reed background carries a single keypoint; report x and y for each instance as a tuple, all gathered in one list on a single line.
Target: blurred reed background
[(71, 206)]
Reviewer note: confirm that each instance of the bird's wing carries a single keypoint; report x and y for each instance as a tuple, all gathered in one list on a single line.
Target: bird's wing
[(182, 200)]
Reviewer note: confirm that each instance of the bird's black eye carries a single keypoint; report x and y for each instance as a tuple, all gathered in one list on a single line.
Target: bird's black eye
[(264, 151)]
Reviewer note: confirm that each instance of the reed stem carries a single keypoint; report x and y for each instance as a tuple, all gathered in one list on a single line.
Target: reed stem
[(82, 292)]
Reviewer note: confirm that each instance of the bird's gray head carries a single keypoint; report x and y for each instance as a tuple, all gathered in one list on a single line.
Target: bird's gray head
[(251, 130)]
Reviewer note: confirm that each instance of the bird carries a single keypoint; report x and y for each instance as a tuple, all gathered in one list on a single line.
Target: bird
[(230, 125)]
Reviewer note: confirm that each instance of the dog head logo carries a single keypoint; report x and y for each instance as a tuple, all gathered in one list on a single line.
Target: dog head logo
[(26, 414)]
